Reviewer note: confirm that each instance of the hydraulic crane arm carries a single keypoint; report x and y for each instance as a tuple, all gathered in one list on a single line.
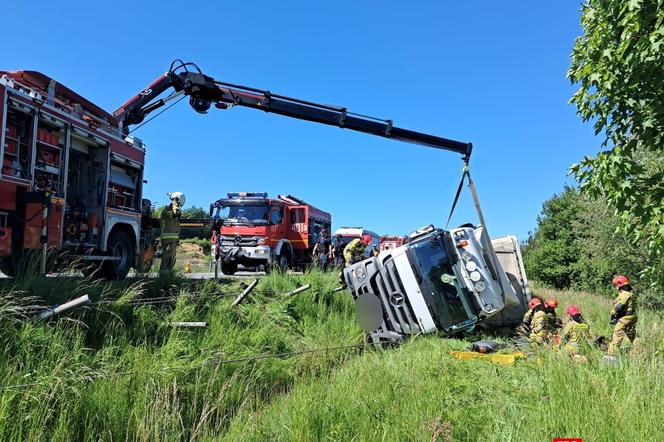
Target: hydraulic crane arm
[(204, 91)]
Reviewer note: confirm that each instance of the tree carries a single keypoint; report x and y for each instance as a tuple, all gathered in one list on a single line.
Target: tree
[(618, 64)]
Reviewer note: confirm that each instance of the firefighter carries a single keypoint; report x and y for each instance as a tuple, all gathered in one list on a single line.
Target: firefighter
[(553, 321), (538, 324), (338, 251), (323, 250), (523, 329), (355, 251), (575, 333), (623, 315), (170, 230)]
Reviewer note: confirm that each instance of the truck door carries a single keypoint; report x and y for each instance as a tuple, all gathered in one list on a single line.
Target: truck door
[(299, 233)]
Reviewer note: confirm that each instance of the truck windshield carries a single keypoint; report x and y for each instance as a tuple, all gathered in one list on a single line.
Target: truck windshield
[(439, 284), (256, 214)]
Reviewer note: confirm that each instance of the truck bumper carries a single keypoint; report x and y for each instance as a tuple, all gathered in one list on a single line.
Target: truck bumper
[(251, 256)]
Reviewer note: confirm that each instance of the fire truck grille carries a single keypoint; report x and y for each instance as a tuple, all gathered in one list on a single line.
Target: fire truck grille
[(238, 241), (400, 316)]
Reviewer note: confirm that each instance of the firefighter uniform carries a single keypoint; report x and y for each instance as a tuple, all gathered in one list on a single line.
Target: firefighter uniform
[(355, 251), (523, 329), (539, 328), (623, 315), (170, 234), (574, 334), (554, 323)]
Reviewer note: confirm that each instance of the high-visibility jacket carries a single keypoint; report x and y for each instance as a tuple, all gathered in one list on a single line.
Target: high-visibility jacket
[(170, 222), (574, 334), (538, 327), (624, 304), (355, 251)]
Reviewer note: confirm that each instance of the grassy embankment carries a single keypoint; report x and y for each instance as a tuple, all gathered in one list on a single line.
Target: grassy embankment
[(117, 371)]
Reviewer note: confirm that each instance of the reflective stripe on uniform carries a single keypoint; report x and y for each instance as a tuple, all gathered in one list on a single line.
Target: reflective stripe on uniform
[(169, 236)]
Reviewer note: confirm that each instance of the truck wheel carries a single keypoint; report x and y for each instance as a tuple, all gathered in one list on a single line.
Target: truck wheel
[(119, 246), (228, 268), (7, 266), (284, 261)]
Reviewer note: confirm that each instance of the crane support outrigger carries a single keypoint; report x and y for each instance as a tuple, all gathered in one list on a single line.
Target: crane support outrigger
[(204, 91)]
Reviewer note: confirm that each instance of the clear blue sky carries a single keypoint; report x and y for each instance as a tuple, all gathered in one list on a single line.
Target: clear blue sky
[(492, 73)]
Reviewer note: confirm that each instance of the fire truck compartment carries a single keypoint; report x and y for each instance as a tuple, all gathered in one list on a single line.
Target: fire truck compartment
[(86, 189)]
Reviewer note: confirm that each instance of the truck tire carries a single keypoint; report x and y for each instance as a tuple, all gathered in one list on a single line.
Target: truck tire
[(284, 261), (228, 268), (120, 246), (7, 266)]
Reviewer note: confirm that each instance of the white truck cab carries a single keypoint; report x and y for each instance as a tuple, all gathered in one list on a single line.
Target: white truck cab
[(447, 281)]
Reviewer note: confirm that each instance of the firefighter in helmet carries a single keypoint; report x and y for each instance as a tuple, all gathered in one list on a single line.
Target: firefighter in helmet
[(170, 230), (538, 324), (623, 315), (575, 333), (355, 251), (523, 329), (553, 321)]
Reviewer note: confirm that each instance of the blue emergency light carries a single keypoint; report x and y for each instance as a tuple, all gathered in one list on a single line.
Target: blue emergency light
[(261, 195)]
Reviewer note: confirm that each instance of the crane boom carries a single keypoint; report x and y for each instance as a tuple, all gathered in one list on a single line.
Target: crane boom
[(204, 91)]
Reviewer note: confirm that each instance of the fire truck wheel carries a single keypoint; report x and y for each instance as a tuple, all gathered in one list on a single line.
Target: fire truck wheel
[(284, 261), (7, 266), (228, 268), (119, 246)]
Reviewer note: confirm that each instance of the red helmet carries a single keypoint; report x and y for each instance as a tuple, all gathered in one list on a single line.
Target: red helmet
[(534, 302), (366, 239), (620, 281), (551, 302), (572, 310)]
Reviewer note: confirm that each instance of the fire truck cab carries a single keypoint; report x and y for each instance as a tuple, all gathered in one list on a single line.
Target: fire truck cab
[(252, 230), (71, 182), (347, 234)]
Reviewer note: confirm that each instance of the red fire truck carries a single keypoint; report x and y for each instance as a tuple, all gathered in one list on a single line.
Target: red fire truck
[(71, 179), (252, 230), (391, 242)]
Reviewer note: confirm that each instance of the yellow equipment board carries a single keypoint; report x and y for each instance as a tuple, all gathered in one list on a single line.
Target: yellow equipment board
[(496, 358)]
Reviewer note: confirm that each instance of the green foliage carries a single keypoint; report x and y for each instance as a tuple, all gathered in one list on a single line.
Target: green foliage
[(577, 244), (618, 64)]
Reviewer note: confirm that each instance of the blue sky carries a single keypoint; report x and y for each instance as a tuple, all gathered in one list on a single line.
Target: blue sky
[(492, 73)]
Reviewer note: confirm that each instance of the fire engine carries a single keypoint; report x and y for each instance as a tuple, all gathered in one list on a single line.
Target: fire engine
[(71, 180), (252, 230), (72, 177), (391, 242)]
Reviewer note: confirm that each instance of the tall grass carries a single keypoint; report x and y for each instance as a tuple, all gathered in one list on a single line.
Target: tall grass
[(116, 370), (119, 371), (419, 392)]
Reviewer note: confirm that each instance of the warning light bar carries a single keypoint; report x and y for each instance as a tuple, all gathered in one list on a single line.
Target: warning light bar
[(261, 195)]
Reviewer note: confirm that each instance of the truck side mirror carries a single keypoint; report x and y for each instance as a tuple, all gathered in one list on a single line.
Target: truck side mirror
[(211, 209)]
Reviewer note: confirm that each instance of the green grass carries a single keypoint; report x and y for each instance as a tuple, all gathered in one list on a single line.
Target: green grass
[(118, 371)]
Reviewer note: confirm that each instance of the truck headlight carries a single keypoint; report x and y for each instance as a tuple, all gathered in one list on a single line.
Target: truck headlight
[(471, 266), (475, 276), (480, 286), (466, 256)]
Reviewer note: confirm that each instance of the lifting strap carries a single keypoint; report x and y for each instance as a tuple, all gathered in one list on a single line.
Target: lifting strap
[(480, 215), (465, 173)]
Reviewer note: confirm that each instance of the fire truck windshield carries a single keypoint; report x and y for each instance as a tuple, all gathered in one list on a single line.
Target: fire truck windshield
[(439, 285), (247, 214)]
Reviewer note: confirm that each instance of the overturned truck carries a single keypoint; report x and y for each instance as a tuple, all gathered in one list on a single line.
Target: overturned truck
[(440, 281)]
